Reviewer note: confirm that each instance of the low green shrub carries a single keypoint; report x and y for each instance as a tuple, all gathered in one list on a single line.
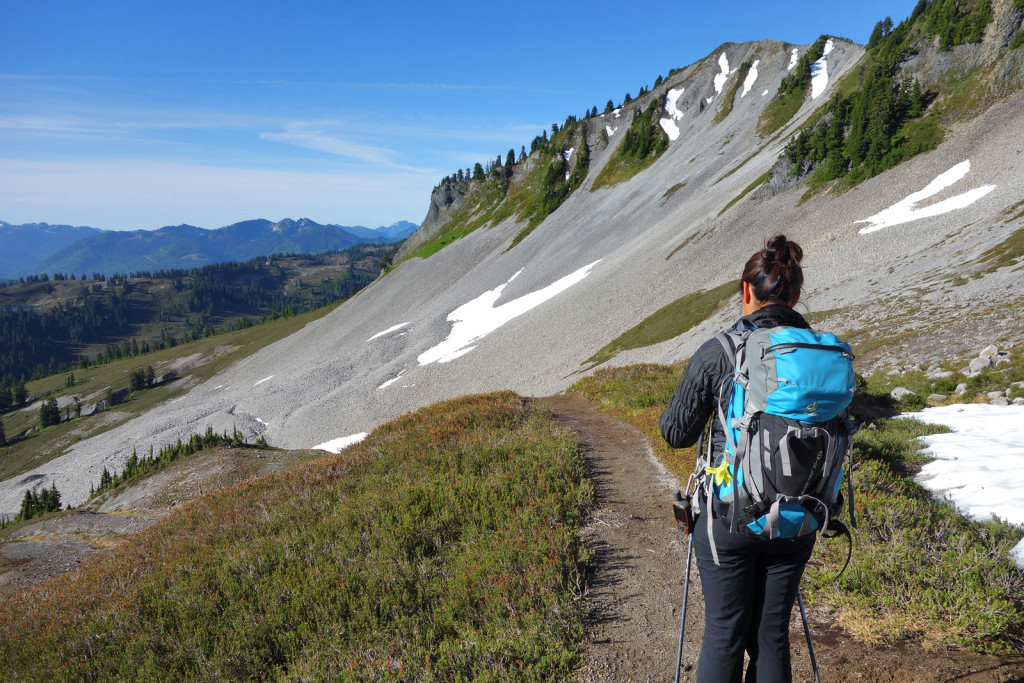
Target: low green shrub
[(443, 547)]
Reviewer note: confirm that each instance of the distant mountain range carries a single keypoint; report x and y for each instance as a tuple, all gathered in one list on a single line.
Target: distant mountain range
[(36, 248)]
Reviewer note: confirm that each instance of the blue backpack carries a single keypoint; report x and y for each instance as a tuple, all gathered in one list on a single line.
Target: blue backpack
[(784, 412)]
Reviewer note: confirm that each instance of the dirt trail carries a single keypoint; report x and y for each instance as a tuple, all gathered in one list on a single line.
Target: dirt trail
[(637, 586)]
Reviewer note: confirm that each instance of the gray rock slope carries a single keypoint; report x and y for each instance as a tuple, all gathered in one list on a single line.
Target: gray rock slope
[(336, 378)]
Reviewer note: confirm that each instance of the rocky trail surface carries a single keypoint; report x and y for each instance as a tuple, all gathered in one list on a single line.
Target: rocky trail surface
[(636, 588)]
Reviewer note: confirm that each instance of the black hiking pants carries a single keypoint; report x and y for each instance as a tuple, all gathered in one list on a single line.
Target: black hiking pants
[(748, 600)]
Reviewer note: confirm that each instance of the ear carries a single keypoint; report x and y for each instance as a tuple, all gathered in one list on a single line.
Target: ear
[(748, 294), (795, 299)]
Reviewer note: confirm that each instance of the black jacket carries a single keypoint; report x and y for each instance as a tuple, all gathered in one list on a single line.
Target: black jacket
[(696, 397)]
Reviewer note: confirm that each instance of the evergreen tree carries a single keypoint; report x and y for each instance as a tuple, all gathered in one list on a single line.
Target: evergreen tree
[(627, 99), (510, 159), (609, 107), (522, 154), (478, 171), (71, 380), (6, 399), (657, 81), (554, 129), (49, 413), (3, 434), (20, 394)]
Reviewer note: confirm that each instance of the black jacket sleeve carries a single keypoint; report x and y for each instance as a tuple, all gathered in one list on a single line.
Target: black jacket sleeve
[(696, 396)]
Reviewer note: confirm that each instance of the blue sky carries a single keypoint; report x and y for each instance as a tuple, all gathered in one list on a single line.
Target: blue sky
[(127, 115)]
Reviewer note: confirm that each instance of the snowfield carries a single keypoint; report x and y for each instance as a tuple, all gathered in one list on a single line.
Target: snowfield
[(906, 210), (748, 82), (669, 124), (979, 466), (819, 71), (476, 319)]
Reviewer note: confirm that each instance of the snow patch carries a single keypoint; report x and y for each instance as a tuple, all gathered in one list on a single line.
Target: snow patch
[(720, 78), (748, 82), (388, 331), (765, 92), (260, 420), (906, 210), (672, 109), (670, 128), (265, 379), (819, 72), (616, 112), (476, 319), (979, 467), (609, 130), (338, 445), (392, 380), (792, 60)]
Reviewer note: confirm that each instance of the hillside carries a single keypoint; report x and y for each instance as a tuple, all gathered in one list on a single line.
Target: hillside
[(60, 324)]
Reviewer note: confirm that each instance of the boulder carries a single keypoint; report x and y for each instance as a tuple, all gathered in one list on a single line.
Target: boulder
[(901, 394), (1018, 401), (979, 364), (1001, 401), (93, 408), (994, 395), (961, 389), (989, 351), (936, 398), (941, 374)]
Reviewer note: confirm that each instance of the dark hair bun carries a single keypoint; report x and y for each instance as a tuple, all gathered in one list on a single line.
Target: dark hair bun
[(781, 250), (774, 273)]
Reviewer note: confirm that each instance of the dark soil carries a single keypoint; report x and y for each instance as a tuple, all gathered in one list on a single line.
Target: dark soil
[(636, 585)]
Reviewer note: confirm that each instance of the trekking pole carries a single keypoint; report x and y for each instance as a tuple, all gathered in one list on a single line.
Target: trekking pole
[(681, 506), (684, 520), (807, 632)]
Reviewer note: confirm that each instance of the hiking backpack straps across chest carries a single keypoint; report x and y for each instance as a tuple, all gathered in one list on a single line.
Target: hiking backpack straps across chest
[(784, 413)]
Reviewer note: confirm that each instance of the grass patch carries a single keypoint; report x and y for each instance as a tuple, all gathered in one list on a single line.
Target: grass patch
[(779, 111), (668, 322), (444, 547), (689, 239), (750, 188), (920, 571), (672, 190), (1006, 253)]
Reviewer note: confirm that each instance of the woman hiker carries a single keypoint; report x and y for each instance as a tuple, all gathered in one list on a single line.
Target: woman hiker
[(749, 593)]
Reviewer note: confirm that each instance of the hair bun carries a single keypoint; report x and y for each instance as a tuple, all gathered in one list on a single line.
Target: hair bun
[(781, 250), (774, 273)]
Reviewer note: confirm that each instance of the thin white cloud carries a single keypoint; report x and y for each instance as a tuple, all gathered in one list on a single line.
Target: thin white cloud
[(303, 135)]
